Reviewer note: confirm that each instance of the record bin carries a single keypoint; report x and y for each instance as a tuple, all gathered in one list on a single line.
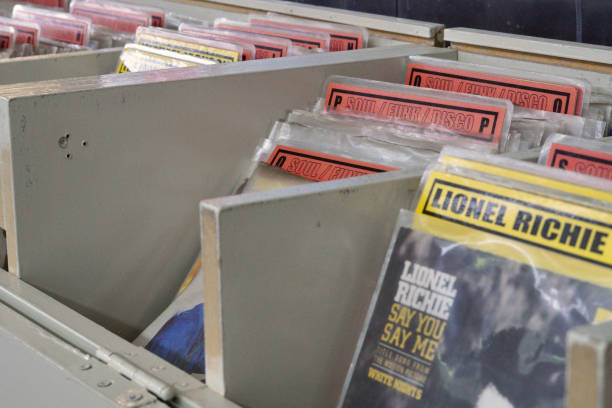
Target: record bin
[(121, 162), (302, 234), (100, 172)]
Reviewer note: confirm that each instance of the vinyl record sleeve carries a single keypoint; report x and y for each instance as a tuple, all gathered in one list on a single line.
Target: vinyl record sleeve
[(110, 15), (185, 44), (265, 46), (305, 39), (452, 325), (56, 25), (566, 183), (342, 37), (26, 31)]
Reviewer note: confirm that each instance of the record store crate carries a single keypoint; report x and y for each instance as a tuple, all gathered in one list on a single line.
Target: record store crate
[(384, 31), (99, 182), (281, 234)]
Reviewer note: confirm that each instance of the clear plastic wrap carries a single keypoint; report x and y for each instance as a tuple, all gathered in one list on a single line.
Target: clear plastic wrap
[(554, 183), (27, 32), (174, 20), (250, 49), (477, 118), (322, 154), (530, 128), (530, 90), (299, 38), (111, 15), (590, 157), (342, 37), (265, 46), (185, 44), (601, 103), (418, 137), (471, 319), (56, 25), (137, 58)]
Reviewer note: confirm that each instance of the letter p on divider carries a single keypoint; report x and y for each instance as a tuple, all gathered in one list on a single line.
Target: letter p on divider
[(484, 122), (337, 100)]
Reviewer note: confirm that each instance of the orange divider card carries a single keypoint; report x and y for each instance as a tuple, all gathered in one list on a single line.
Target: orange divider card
[(572, 158), (339, 40), (551, 97), (114, 17), (300, 39), (6, 37), (470, 120), (56, 26), (27, 32), (319, 166)]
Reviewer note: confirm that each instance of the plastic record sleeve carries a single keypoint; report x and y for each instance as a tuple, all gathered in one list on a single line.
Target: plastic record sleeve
[(7, 39), (56, 25), (342, 37), (110, 15), (585, 188), (530, 128), (590, 157), (465, 322), (321, 154), (265, 46), (189, 45), (249, 49), (26, 31), (158, 15), (476, 118), (530, 90), (137, 58), (305, 39), (412, 136)]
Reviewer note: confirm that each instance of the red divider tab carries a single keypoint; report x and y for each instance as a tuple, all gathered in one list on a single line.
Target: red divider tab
[(319, 166), (538, 95), (474, 121), (583, 161)]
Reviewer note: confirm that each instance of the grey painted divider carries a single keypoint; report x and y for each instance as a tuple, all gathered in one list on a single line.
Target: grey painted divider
[(109, 224), (58, 66), (288, 276)]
